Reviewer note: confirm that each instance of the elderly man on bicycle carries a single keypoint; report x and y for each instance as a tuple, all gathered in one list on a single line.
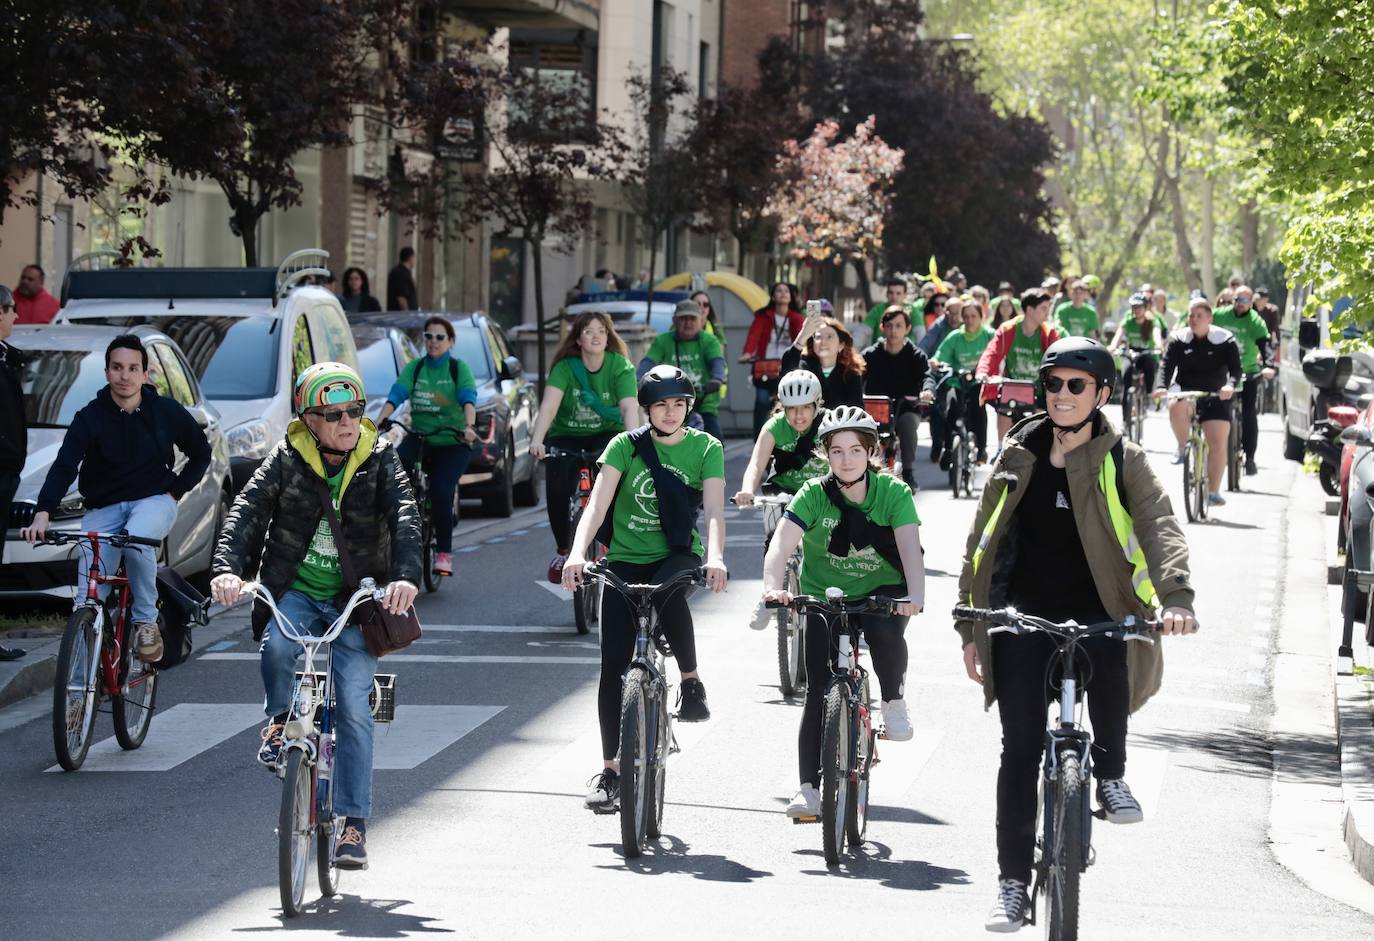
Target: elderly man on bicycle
[(278, 529)]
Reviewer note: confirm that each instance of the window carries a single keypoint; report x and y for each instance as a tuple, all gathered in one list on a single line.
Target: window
[(704, 70), (302, 355), (57, 383), (564, 63), (156, 374), (330, 335), (376, 363), (469, 346), (177, 381)]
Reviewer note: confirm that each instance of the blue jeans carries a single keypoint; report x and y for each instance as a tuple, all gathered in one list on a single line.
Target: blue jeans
[(152, 517), (444, 465), (710, 423), (353, 669), (763, 407)]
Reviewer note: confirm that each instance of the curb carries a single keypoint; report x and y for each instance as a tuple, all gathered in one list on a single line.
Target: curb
[(1355, 735)]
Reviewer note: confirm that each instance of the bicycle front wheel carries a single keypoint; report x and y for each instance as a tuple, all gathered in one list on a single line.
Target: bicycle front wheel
[(133, 708), (76, 689), (427, 546), (862, 737), (835, 732), (1065, 857), (1189, 484), (326, 839), (1235, 458), (658, 770), (791, 643), (634, 763), (294, 832), (956, 464), (1202, 483)]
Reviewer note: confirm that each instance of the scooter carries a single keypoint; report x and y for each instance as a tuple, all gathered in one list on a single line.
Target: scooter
[(1324, 441)]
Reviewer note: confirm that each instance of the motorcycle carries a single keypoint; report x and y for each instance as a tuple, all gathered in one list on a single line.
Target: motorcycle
[(1325, 442)]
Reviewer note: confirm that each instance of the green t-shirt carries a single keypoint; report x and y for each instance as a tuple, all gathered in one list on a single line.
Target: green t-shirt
[(1076, 321), (694, 358), (785, 438), (637, 535), (961, 351), (1023, 359), (887, 503), (874, 318), (1248, 331), (320, 575), (615, 380), (434, 400)]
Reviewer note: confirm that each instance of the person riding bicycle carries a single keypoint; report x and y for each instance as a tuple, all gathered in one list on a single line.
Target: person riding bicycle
[(770, 334), (121, 446), (1141, 335), (826, 348), (896, 292), (858, 531), (961, 352), (443, 407), (896, 369), (589, 399), (644, 507), (1202, 357), (1073, 524), (1016, 349), (1256, 361), (696, 353), (278, 531), (786, 448), (1077, 317)]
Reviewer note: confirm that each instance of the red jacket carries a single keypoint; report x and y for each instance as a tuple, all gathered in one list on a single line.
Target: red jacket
[(995, 353), (761, 330)]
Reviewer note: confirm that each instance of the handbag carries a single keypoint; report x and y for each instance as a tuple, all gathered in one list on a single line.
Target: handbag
[(383, 632)]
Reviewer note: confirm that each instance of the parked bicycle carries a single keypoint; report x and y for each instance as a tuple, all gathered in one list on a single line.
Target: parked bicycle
[(646, 727), (587, 596), (1195, 450), (306, 822), (1064, 847), (791, 627), (419, 482), (848, 739)]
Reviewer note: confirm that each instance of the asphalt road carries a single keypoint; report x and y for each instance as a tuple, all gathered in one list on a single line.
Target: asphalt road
[(479, 829)]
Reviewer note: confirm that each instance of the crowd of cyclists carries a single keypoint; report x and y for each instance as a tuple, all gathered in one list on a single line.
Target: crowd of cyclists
[(1072, 522)]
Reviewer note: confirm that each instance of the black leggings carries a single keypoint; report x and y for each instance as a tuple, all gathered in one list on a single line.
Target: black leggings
[(1249, 415), (976, 422), (618, 630), (887, 651), (1148, 367), (1023, 698), (560, 481)]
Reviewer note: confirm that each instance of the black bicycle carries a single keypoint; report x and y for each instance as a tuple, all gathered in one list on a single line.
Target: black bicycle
[(848, 740), (791, 627), (1135, 397), (646, 728), (963, 448), (587, 596), (1235, 457), (1065, 843)]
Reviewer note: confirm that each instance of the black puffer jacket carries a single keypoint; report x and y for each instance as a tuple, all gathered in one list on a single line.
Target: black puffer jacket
[(275, 516)]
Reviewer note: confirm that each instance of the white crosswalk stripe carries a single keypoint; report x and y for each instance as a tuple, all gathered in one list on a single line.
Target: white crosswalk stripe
[(421, 732)]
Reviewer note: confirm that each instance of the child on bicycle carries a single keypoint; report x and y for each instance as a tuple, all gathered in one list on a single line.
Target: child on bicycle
[(858, 531), (669, 471), (1068, 503)]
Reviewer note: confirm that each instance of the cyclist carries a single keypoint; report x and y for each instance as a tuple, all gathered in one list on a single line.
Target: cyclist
[(121, 446), (669, 471), (946, 323), (589, 399), (278, 531), (826, 348), (1077, 317), (771, 333), (896, 295), (961, 351), (1256, 361), (696, 353), (443, 405), (1069, 500), (858, 530), (896, 369), (1202, 358), (1004, 308), (1016, 348), (788, 440), (1140, 334), (1163, 315)]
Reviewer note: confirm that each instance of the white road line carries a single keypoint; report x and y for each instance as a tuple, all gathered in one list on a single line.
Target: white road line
[(1145, 770), (421, 732), (496, 628), (176, 736), (434, 658), (558, 591), (1259, 642), (899, 765)]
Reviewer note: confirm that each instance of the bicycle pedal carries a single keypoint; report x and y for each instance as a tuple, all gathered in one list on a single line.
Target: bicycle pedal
[(607, 810), (806, 819)]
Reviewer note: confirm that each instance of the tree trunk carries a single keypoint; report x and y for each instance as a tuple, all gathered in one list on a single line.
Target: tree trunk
[(1249, 238), (649, 288), (1186, 259), (248, 232), (1209, 225), (865, 287), (537, 249)]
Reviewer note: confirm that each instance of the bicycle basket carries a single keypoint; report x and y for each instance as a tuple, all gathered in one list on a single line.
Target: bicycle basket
[(381, 699), (1016, 392), (879, 408), (766, 370)]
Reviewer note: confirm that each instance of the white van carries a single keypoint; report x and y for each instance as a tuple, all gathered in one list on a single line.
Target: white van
[(1303, 404)]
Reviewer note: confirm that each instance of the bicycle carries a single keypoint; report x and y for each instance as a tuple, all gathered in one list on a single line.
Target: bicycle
[(848, 740), (419, 482), (1195, 452), (1135, 398), (586, 597), (962, 446), (885, 411), (1065, 843), (1235, 457), (646, 727), (305, 820), (791, 628), (96, 659)]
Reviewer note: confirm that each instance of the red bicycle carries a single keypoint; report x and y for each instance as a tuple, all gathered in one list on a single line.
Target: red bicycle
[(587, 596), (97, 661)]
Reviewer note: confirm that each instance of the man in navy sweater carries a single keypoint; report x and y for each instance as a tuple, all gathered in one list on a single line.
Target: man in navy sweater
[(121, 444)]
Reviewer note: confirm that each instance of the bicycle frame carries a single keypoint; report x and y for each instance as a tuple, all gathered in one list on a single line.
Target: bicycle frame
[(105, 657)]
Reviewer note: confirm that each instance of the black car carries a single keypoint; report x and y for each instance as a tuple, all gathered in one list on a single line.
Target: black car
[(502, 472)]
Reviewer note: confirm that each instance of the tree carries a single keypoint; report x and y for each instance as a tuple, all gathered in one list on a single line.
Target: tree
[(835, 195)]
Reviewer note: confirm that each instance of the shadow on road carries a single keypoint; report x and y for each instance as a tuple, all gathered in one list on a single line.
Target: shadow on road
[(874, 861), (350, 916), (902, 815), (669, 855), (1250, 752)]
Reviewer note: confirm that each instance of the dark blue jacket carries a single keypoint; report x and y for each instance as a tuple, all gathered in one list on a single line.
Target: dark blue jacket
[(126, 456)]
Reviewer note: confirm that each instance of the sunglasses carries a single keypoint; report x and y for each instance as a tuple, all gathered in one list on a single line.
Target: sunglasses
[(335, 414), (8, 309), (436, 337), (1243, 299), (1076, 385)]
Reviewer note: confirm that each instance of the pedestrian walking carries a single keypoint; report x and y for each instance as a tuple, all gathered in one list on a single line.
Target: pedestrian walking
[(400, 283), (357, 293)]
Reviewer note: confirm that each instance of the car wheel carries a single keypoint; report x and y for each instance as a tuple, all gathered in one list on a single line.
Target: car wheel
[(1294, 448), (501, 502)]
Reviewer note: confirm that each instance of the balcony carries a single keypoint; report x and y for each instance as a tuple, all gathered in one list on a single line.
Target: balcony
[(527, 14)]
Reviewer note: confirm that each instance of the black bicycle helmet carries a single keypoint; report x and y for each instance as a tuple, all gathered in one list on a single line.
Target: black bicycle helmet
[(666, 382), (1080, 353)]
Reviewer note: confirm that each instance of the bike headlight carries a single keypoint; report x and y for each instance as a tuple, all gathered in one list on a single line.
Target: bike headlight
[(251, 440)]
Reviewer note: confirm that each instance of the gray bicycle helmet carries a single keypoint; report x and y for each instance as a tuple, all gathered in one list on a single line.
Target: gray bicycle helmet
[(666, 382), (1080, 353)]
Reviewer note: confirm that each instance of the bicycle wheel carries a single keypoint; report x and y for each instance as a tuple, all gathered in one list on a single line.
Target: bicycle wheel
[(862, 736), (1202, 485), (835, 731), (634, 763), (1235, 458), (133, 708), (327, 833), (791, 643), (969, 459), (956, 464), (294, 832), (1064, 865), (1189, 484), (76, 689), (427, 546), (658, 770)]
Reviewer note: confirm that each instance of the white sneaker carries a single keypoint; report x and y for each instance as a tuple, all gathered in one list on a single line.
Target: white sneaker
[(761, 618), (1009, 911), (807, 803), (896, 722)]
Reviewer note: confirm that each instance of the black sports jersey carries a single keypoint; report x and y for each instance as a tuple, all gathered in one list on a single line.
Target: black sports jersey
[(1200, 364)]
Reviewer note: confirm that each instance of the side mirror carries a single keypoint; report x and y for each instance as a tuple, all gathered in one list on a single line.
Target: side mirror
[(1309, 335), (514, 368), (1358, 435)]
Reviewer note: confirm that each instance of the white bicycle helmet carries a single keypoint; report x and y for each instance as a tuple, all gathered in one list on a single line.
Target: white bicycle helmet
[(847, 418), (800, 387)]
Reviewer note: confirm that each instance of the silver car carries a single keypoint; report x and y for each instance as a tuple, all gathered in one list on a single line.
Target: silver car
[(65, 368)]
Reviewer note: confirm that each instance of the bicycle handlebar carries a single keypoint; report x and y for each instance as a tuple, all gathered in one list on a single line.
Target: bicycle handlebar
[(118, 540), (1011, 621), (587, 456), (801, 604), (765, 499), (366, 589), (423, 434), (695, 576)]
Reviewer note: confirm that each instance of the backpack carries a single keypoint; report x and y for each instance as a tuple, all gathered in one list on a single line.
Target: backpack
[(678, 504), (181, 607)]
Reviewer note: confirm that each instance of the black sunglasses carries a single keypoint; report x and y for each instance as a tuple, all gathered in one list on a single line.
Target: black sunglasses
[(8, 309), (1076, 385), (335, 414), (436, 336)]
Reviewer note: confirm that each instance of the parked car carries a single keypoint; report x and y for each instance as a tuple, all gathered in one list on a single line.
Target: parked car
[(632, 307), (1307, 389), (1357, 528), (382, 354), (247, 333), (64, 370), (502, 473)]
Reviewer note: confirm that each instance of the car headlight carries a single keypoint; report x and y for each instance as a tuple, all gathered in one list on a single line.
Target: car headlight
[(250, 440), (71, 506)]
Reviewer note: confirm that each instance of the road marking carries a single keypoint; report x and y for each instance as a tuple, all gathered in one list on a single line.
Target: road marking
[(899, 765), (519, 532), (558, 591), (421, 732), (176, 736), (496, 628), (433, 658), (468, 549), (1145, 769), (222, 645)]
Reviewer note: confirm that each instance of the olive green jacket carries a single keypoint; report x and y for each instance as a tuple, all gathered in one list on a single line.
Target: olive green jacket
[(1156, 529)]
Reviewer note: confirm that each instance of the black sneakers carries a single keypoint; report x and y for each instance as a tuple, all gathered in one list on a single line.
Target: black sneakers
[(1117, 802), (1008, 913), (691, 702), (351, 850), (605, 791)]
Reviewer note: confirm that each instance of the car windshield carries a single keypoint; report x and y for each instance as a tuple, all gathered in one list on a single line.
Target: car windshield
[(377, 363), (57, 383), (468, 347), (234, 358)]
